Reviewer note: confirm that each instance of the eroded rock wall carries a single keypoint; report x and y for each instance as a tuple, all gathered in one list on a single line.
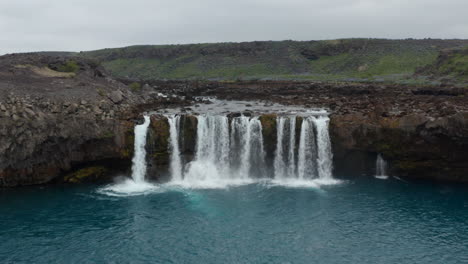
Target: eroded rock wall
[(417, 146), (52, 123)]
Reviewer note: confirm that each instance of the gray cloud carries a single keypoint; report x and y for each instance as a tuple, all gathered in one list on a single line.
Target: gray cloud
[(32, 25)]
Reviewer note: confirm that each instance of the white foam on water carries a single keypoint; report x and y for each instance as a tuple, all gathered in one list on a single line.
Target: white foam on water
[(381, 177), (303, 183), (130, 188)]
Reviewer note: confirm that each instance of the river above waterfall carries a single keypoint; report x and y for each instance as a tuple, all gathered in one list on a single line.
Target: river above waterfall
[(218, 107), (357, 221)]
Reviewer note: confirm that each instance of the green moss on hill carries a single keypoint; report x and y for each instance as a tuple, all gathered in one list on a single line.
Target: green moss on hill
[(450, 64), (344, 59)]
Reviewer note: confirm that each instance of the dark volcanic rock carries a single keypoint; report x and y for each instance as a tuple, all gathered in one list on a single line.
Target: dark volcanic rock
[(52, 122), (71, 123), (421, 131)]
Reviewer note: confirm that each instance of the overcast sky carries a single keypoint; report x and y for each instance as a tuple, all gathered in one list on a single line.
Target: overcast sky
[(75, 25)]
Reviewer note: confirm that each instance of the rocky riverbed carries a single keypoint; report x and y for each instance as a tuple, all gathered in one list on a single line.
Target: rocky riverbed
[(60, 125)]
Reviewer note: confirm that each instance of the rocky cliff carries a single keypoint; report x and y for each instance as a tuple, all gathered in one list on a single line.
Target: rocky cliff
[(65, 119), (421, 131), (59, 115)]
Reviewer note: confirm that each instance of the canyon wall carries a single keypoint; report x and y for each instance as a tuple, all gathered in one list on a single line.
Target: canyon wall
[(75, 125), (65, 126)]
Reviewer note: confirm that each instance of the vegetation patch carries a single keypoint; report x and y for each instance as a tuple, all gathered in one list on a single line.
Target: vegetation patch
[(88, 174), (45, 71), (363, 60), (69, 66), (135, 86)]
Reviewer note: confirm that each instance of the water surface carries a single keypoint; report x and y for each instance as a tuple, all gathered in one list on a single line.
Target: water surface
[(359, 221)]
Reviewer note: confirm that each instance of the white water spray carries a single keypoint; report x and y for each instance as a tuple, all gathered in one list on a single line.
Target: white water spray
[(139, 156), (325, 156), (210, 166), (307, 160), (314, 157), (232, 152), (381, 167), (137, 184), (279, 164), (247, 133), (292, 147), (227, 153), (176, 163)]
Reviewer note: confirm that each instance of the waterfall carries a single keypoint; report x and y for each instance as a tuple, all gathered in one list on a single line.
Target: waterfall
[(306, 165), (231, 151), (292, 146), (175, 164), (381, 167), (279, 164), (137, 184), (314, 155), (247, 134), (325, 156), (139, 156), (226, 152), (212, 151)]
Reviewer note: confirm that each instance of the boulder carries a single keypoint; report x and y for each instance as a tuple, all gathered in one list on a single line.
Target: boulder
[(116, 97)]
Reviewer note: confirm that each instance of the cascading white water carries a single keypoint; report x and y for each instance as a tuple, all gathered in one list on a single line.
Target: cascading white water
[(292, 147), (247, 133), (225, 152), (285, 154), (212, 151), (176, 163), (306, 165), (314, 152), (324, 152), (279, 164), (139, 156), (137, 184), (231, 152), (381, 167)]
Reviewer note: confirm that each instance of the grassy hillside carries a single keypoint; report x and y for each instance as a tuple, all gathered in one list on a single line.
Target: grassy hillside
[(450, 64), (345, 59)]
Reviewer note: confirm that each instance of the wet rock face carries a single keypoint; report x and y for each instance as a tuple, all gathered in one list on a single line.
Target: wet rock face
[(416, 146), (269, 132), (158, 140), (157, 147)]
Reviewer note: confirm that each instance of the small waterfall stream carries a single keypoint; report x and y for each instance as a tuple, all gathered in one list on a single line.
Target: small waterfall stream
[(381, 168), (292, 148), (279, 164), (307, 164), (137, 184), (176, 164), (324, 152), (139, 156)]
